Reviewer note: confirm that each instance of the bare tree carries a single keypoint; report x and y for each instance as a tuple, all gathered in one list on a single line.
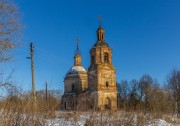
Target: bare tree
[(133, 94), (7, 86), (174, 84), (10, 28), (123, 88), (145, 84)]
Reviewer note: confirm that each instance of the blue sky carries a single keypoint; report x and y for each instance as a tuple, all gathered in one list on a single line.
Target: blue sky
[(144, 36)]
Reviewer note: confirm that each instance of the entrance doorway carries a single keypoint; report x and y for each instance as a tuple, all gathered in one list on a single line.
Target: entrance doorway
[(107, 103), (65, 105)]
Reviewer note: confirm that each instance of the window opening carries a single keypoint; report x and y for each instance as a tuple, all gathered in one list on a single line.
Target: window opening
[(106, 57)]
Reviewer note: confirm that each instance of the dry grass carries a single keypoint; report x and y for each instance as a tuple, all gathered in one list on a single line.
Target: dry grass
[(24, 112)]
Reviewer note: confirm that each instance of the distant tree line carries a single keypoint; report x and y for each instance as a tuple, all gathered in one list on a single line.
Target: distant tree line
[(148, 95)]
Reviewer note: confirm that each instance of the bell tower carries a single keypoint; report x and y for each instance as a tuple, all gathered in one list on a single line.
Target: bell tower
[(101, 74)]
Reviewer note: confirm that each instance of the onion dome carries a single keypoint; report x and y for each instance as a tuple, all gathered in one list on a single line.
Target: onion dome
[(76, 70)]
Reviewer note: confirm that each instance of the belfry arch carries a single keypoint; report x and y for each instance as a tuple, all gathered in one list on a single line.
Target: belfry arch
[(106, 57)]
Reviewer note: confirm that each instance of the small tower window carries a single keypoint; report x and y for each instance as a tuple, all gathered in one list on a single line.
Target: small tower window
[(72, 87), (92, 60), (107, 84), (106, 57)]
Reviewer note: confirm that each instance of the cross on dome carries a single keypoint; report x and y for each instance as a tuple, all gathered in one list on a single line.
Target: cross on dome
[(100, 21)]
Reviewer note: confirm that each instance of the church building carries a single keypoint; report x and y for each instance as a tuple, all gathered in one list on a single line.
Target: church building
[(95, 88)]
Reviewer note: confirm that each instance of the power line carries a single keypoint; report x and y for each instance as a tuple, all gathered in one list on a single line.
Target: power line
[(51, 55)]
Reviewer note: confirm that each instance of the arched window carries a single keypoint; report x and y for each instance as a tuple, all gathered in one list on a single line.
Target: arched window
[(106, 57), (107, 84), (92, 60), (72, 88)]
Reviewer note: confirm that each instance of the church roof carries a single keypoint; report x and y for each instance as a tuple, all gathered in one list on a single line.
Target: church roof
[(75, 69), (101, 43)]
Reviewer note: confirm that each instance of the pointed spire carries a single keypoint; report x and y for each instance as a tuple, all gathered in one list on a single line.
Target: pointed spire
[(77, 57), (77, 46), (77, 42)]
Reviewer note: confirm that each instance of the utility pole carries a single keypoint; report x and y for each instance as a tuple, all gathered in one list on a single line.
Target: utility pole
[(32, 71)]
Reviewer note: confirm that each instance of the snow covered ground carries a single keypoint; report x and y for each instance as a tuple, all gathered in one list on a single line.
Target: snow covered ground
[(61, 122), (160, 122), (71, 121), (80, 119)]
